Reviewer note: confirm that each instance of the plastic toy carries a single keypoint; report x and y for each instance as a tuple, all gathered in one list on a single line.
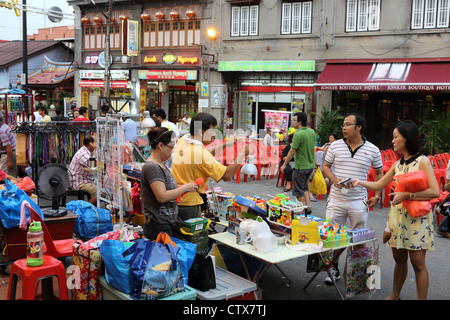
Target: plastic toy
[(198, 182)]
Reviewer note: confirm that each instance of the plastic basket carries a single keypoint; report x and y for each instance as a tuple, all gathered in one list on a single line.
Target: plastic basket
[(229, 286), (361, 234), (110, 293)]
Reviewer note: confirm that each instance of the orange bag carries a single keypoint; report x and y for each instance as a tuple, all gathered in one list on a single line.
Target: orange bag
[(410, 182), (26, 184), (417, 208)]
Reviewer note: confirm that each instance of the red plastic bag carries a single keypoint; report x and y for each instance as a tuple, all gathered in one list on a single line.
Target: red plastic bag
[(410, 182), (26, 184), (417, 208)]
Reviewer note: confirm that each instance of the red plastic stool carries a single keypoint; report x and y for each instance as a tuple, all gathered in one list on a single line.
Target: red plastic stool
[(31, 275)]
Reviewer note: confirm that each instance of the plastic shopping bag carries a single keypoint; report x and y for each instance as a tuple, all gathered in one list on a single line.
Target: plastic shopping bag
[(163, 276), (359, 273), (186, 256), (117, 267), (11, 200), (417, 208), (263, 239), (318, 184), (414, 181), (91, 221), (139, 254)]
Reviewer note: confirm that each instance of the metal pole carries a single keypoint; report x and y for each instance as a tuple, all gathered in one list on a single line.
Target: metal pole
[(107, 47), (25, 54)]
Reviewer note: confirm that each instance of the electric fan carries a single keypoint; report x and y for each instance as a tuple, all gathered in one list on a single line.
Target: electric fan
[(53, 182)]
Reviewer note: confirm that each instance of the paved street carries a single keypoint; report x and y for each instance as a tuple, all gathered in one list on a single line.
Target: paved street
[(274, 286)]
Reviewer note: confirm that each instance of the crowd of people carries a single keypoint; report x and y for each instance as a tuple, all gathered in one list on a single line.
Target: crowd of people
[(179, 157)]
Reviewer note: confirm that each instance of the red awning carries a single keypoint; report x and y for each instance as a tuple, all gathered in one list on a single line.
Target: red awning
[(99, 84), (385, 75)]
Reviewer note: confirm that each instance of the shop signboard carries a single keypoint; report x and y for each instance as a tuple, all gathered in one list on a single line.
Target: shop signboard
[(100, 74), (281, 65), (167, 74), (170, 58), (130, 37)]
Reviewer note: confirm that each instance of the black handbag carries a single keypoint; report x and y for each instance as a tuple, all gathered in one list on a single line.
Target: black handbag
[(201, 275), (444, 207)]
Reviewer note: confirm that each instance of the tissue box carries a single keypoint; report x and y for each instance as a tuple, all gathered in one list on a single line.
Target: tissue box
[(194, 224)]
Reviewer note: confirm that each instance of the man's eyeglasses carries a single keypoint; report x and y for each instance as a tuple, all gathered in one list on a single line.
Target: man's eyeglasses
[(348, 125), (170, 147)]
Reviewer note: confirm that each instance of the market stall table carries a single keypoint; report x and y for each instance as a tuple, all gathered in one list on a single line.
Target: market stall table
[(278, 255)]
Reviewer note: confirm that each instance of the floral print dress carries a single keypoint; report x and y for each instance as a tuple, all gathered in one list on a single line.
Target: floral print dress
[(408, 232)]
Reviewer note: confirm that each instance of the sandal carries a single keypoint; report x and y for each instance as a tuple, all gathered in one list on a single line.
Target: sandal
[(286, 190)]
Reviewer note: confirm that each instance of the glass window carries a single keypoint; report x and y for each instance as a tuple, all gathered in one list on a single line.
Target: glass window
[(296, 17), (362, 15), (244, 21), (430, 14)]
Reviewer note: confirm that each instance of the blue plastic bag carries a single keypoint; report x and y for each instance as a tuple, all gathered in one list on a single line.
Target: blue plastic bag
[(139, 254), (91, 221), (117, 267), (11, 199), (163, 276), (186, 256)]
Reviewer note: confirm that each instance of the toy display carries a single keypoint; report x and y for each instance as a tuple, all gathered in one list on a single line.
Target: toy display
[(333, 236), (281, 210)]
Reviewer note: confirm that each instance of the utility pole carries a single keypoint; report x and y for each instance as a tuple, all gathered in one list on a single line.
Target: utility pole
[(107, 47), (25, 54)]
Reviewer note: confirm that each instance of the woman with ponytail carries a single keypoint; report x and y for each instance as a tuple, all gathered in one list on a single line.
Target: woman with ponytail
[(158, 186)]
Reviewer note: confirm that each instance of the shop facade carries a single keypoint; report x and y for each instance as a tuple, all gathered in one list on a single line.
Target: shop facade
[(263, 87), (168, 80), (387, 91)]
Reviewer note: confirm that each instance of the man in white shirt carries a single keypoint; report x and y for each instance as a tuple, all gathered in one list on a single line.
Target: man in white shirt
[(185, 123), (160, 114), (352, 157)]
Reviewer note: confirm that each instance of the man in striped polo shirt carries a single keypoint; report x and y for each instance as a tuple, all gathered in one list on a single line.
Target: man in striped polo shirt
[(352, 157)]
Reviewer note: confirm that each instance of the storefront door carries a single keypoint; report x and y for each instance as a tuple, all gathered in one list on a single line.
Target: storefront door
[(181, 101)]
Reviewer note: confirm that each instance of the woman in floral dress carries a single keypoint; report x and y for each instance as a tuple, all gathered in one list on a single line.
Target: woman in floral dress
[(409, 237)]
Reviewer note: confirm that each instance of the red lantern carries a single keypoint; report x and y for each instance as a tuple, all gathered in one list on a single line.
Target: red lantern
[(39, 98), (160, 15), (174, 15), (85, 20), (190, 14), (113, 19), (123, 17), (145, 16), (98, 20)]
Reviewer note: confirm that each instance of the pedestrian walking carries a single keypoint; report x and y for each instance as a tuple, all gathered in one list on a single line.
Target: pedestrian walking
[(302, 150)]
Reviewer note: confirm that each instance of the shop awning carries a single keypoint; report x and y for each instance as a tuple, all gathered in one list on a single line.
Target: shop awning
[(276, 89), (385, 75), (99, 84)]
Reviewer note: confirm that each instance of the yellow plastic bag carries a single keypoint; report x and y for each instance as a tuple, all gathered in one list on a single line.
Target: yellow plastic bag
[(318, 185)]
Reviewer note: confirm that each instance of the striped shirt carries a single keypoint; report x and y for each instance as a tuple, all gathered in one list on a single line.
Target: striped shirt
[(356, 164), (76, 173), (7, 137)]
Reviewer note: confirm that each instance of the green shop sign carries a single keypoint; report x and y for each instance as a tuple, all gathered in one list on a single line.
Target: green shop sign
[(282, 65)]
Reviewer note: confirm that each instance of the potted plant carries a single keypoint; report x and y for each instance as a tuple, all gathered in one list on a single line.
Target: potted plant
[(329, 122)]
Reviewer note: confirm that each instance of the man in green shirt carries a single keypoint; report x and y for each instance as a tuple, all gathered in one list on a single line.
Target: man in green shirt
[(302, 149)]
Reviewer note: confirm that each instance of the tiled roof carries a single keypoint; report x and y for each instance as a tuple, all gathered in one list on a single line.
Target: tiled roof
[(11, 51)]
